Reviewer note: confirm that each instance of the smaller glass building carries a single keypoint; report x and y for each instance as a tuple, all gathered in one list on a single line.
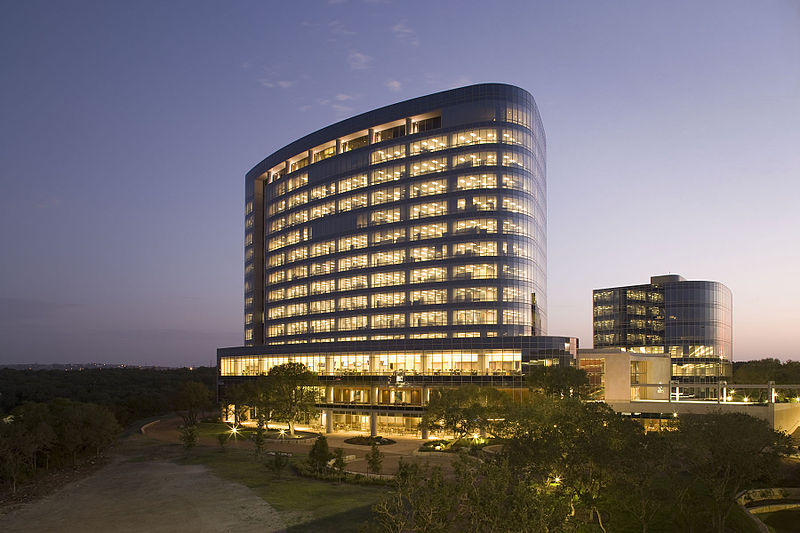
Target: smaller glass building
[(689, 320)]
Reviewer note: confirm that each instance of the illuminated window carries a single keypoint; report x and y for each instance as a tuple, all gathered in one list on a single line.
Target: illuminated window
[(298, 164), (353, 302), (429, 144), (353, 202), (384, 279), (638, 295), (510, 159), (248, 334), (518, 115), (277, 276), (297, 272), (388, 153), (475, 159), (353, 182), (477, 181), (322, 306), (427, 318), (323, 191), (515, 271), (296, 309), (353, 283), (323, 248), (427, 124), (325, 153), (474, 316), (427, 188), (428, 253), (388, 320), (388, 299), (391, 257), (476, 248), (477, 203), (295, 182), (275, 295), (390, 133), (428, 231), (348, 323), (324, 286), (516, 249), (391, 173), (276, 259), (479, 271), (277, 312), (352, 242), (388, 194), (428, 296), (515, 317), (385, 216), (297, 253), (428, 166), (389, 235), (425, 275), (323, 209), (475, 294), (428, 209), (515, 137), (277, 330), (322, 325), (357, 142), (298, 199), (296, 328), (476, 136), (511, 227), (519, 183), (352, 262), (513, 294), (323, 267), (475, 225), (296, 291), (428, 335)]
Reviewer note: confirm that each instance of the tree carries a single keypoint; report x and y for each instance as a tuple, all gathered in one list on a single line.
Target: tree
[(188, 436), (192, 398), (339, 462), (726, 453), (563, 381), (375, 459), (464, 410), (295, 390), (320, 454), (240, 395)]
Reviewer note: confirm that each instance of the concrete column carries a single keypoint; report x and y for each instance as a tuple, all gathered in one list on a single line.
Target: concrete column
[(482, 367), (329, 393), (352, 395), (424, 432), (373, 396), (373, 424), (391, 396), (328, 365), (408, 126), (328, 413), (425, 396), (371, 135), (425, 362), (338, 146), (772, 393)]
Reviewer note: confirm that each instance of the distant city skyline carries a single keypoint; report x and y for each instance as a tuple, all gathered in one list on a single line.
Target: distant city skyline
[(671, 134)]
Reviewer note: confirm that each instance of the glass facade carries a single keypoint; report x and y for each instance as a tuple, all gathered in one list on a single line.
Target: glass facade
[(689, 320), (431, 194)]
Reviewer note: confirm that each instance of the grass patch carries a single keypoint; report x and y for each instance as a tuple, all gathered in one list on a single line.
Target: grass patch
[(306, 504), (785, 521)]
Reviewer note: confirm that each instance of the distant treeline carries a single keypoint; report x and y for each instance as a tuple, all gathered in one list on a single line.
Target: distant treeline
[(129, 393), (765, 370)]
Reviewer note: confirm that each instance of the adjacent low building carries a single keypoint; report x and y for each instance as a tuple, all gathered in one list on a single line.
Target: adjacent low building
[(691, 321)]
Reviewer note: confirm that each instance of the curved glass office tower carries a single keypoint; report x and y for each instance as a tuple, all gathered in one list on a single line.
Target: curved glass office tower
[(401, 250), (423, 219), (689, 320)]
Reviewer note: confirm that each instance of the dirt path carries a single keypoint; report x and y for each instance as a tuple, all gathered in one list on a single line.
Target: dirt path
[(135, 496)]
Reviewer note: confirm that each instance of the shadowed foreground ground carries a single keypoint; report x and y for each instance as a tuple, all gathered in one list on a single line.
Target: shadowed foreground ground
[(147, 495)]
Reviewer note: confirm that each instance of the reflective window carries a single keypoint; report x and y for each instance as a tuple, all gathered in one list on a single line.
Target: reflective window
[(475, 159), (475, 225), (388, 153), (429, 144), (428, 231), (353, 262), (475, 294), (475, 136), (388, 320), (428, 253), (478, 248), (388, 299), (428, 209), (424, 275), (323, 209), (427, 318), (352, 283), (322, 306), (385, 216), (353, 182), (428, 187), (352, 242), (323, 267), (428, 296), (391, 173), (323, 248), (389, 236), (348, 323), (384, 279), (324, 286), (353, 202), (322, 325), (428, 166), (390, 257), (353, 302), (474, 316), (478, 271), (388, 194)]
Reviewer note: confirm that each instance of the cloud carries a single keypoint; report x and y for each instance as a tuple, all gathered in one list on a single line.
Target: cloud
[(282, 84), (358, 61), (343, 97), (335, 2), (337, 28), (341, 110), (405, 34), (394, 85)]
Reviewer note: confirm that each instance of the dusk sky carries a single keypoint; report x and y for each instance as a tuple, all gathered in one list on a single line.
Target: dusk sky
[(126, 128)]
